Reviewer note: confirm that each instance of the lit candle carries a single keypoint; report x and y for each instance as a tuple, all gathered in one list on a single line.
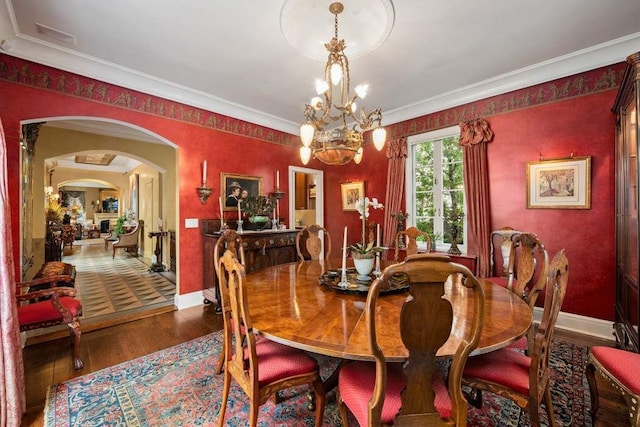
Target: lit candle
[(204, 173), (278, 180), (344, 253)]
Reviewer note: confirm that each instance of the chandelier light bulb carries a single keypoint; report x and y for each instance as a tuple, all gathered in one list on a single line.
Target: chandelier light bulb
[(305, 155), (379, 137), (306, 134), (336, 73), (316, 102), (358, 157), (321, 86), (361, 90)]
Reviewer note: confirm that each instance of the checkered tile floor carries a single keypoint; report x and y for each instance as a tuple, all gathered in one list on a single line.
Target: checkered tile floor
[(109, 286)]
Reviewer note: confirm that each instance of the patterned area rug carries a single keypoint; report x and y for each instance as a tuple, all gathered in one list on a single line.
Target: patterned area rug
[(107, 286), (178, 386)]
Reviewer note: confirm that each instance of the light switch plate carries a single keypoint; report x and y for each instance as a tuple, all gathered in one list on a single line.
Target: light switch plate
[(191, 223)]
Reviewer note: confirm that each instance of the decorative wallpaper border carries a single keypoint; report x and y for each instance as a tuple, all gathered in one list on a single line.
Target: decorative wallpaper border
[(587, 83), (19, 71), (27, 73)]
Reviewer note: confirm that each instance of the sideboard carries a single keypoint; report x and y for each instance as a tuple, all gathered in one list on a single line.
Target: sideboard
[(261, 249)]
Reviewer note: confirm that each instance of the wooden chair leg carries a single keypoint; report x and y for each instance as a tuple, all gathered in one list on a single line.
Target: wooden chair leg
[(114, 253), (225, 397), (75, 333), (548, 403), (590, 372), (220, 366)]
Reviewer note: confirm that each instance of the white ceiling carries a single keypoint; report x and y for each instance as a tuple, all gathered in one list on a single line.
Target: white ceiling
[(231, 57)]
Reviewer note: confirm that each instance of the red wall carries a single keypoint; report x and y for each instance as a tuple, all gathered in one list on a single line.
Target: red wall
[(552, 120), (229, 145), (580, 123)]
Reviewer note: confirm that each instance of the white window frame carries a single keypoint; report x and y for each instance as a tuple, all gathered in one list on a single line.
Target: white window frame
[(410, 186)]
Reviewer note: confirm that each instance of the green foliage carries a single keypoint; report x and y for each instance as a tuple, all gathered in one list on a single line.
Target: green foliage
[(258, 206), (119, 228)]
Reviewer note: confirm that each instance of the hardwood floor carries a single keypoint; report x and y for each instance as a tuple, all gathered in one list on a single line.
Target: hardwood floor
[(48, 363)]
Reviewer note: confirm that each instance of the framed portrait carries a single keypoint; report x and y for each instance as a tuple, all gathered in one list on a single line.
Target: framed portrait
[(73, 200), (234, 187), (559, 184), (351, 191)]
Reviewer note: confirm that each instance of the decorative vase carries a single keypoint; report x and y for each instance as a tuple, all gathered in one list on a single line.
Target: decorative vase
[(363, 264)]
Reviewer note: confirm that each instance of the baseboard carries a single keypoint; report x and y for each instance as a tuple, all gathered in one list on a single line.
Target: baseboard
[(581, 324), (189, 300)]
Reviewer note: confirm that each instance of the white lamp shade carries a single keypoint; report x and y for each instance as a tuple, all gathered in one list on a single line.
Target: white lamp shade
[(358, 157), (316, 102), (361, 90), (305, 154), (379, 138), (321, 87), (336, 73), (354, 107), (306, 134)]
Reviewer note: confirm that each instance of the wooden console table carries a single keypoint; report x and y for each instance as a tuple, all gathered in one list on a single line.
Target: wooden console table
[(157, 267), (261, 249)]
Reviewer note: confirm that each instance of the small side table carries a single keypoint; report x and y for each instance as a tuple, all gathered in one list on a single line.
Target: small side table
[(157, 266), (93, 233)]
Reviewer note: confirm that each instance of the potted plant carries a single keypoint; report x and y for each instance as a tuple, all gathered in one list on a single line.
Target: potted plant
[(363, 254), (257, 209), (119, 228)]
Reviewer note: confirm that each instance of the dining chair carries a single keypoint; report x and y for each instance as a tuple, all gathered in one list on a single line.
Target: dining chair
[(620, 368), (415, 393), (526, 275), (55, 304), (524, 379), (501, 243), (260, 367), (232, 242), (409, 239), (314, 244)]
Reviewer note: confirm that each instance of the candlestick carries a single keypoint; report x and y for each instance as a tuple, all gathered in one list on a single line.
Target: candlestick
[(377, 271), (204, 173), (277, 179), (343, 280), (220, 200), (239, 210)]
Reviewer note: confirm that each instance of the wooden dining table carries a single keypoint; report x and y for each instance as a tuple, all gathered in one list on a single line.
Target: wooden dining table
[(288, 304)]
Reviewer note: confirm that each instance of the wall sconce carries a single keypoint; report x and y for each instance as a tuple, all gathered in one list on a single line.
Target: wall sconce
[(203, 191)]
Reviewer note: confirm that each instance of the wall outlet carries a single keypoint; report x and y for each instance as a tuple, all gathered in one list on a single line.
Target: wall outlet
[(191, 223)]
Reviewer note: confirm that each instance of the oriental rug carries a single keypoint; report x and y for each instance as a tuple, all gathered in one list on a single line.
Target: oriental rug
[(178, 386)]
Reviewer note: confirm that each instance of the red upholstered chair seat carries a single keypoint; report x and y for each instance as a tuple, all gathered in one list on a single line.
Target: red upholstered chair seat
[(620, 367), (356, 387), (278, 361), (621, 364), (44, 312), (506, 367)]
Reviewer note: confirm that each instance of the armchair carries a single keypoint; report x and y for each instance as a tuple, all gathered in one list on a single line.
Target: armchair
[(55, 306), (129, 240)]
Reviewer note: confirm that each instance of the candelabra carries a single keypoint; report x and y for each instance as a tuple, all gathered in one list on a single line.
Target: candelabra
[(277, 194)]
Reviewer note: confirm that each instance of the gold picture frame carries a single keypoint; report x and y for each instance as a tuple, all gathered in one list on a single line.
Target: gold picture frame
[(253, 185), (350, 192), (559, 183)]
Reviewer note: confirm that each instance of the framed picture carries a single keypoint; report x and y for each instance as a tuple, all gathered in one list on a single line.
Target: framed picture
[(559, 184), (234, 187), (351, 191)]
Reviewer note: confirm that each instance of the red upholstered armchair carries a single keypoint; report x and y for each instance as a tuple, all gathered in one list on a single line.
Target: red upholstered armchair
[(52, 306)]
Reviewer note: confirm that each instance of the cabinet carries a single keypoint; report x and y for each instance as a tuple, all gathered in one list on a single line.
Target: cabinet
[(627, 300), (261, 249), (172, 251)]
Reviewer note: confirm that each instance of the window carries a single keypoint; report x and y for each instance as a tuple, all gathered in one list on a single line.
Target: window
[(435, 186)]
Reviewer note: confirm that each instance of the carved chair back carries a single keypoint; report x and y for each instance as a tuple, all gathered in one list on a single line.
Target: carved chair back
[(317, 242), (408, 239)]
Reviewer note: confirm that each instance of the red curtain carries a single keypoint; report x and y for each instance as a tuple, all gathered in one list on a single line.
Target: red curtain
[(474, 136), (12, 388), (397, 155)]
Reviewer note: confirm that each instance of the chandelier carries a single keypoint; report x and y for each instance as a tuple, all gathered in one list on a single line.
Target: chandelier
[(334, 103)]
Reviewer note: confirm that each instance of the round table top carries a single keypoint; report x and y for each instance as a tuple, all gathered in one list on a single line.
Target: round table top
[(289, 305)]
